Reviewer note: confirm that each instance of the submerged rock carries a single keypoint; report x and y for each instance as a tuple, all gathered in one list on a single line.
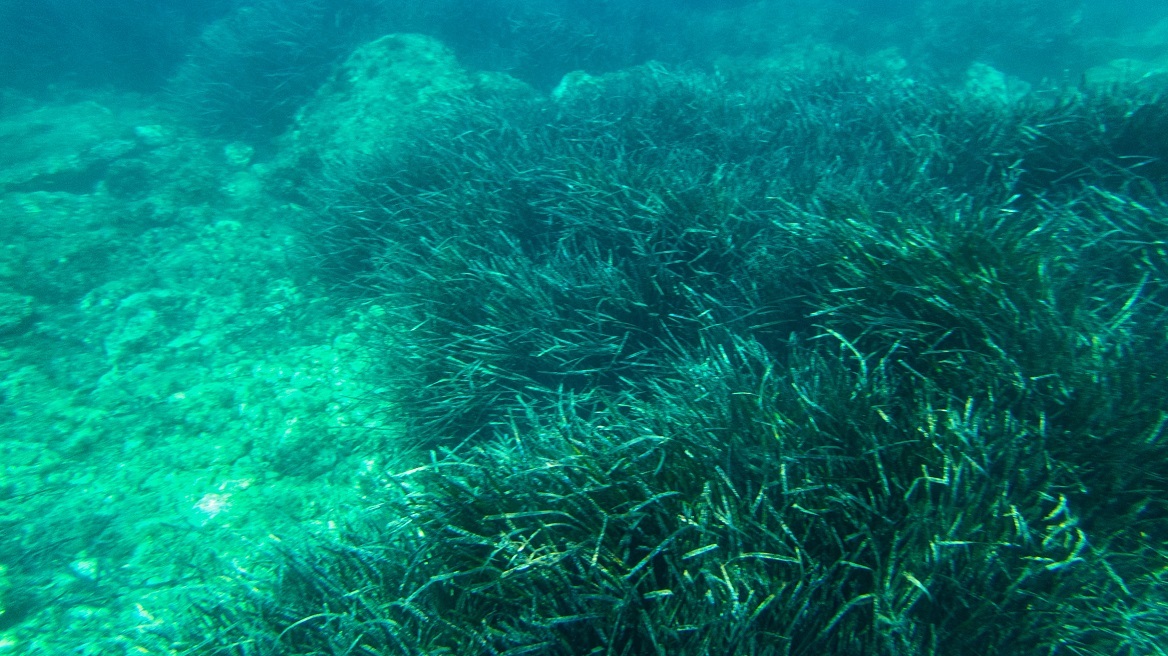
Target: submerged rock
[(16, 311), (381, 92), (1124, 72), (64, 147), (984, 82)]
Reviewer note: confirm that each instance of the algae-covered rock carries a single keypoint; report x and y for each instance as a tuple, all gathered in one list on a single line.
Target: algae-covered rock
[(63, 147), (986, 83), (381, 92), (15, 311), (1125, 72), (58, 245)]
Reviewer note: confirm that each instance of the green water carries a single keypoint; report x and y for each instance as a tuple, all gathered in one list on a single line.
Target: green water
[(204, 350)]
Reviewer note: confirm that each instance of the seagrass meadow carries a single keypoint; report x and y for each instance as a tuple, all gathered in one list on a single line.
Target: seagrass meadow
[(557, 328), (825, 362)]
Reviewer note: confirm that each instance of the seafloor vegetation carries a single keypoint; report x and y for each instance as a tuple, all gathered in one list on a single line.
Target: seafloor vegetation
[(826, 362), (340, 344)]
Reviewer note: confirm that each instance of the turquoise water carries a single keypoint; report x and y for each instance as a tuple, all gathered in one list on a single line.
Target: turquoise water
[(559, 327)]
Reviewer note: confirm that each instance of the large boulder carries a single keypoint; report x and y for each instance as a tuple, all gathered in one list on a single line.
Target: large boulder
[(380, 93)]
